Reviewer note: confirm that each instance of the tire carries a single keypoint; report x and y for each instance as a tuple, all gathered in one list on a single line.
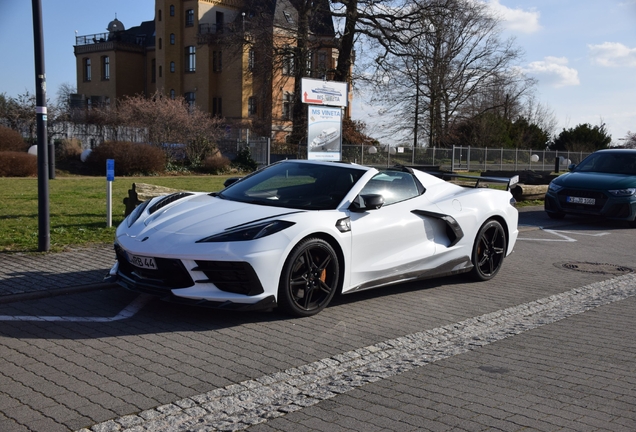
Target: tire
[(309, 279), (489, 251), (553, 215)]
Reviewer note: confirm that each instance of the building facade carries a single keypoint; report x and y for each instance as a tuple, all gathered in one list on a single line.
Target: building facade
[(231, 58)]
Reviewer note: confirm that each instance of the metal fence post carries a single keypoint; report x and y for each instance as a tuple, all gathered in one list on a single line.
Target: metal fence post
[(468, 159), (453, 160)]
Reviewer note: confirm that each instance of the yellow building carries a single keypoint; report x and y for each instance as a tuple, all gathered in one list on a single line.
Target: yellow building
[(232, 58)]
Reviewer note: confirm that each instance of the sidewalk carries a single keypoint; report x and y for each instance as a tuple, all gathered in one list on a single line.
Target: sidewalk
[(30, 275)]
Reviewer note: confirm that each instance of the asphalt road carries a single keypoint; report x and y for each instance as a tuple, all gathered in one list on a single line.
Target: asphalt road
[(549, 344)]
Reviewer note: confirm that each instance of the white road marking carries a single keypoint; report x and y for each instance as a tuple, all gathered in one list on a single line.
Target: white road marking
[(127, 312), (563, 237)]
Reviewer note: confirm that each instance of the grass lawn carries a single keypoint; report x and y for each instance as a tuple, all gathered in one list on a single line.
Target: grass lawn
[(77, 207)]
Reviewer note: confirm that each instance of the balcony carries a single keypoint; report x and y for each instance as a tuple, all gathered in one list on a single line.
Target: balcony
[(109, 41)]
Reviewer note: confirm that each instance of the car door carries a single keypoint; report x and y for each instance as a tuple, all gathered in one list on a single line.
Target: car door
[(391, 244)]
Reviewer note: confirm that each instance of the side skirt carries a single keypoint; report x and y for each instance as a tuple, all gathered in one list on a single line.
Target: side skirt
[(457, 266)]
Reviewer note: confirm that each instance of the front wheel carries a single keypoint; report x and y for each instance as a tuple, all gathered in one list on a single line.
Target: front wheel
[(489, 251), (309, 279)]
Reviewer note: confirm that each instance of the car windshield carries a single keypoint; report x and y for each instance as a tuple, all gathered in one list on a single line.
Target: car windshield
[(296, 185), (611, 163)]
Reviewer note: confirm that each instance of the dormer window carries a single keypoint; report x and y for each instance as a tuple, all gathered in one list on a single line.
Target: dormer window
[(288, 17)]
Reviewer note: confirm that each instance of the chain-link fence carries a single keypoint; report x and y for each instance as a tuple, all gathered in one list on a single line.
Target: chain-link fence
[(464, 158), (446, 159)]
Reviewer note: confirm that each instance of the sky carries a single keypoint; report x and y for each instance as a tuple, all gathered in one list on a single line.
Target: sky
[(582, 52)]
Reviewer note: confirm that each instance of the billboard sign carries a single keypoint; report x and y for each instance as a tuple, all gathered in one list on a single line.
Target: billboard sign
[(319, 92), (324, 133)]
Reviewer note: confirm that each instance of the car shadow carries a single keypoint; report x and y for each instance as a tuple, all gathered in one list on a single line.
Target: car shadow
[(92, 315)]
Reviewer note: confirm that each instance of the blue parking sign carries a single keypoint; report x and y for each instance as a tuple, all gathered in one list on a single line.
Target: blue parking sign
[(110, 169)]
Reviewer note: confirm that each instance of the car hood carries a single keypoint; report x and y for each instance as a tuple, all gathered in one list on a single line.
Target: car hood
[(591, 180), (204, 215)]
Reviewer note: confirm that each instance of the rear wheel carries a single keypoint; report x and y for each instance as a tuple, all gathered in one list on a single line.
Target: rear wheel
[(489, 251), (309, 279)]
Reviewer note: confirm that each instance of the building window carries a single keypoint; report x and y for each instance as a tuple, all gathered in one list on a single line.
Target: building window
[(250, 59), (191, 58), (220, 22), (309, 66), (217, 107), (172, 67), (160, 43), (171, 10), (153, 71), (288, 61), (288, 105), (172, 94), (172, 39), (217, 61), (189, 18), (87, 69), (251, 105), (105, 68), (322, 65), (159, 14), (160, 72), (190, 98)]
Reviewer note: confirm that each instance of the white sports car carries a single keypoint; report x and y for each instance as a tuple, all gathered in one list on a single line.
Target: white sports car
[(297, 232)]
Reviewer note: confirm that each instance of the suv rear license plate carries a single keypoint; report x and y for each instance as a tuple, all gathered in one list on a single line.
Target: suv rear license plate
[(578, 200), (142, 261)]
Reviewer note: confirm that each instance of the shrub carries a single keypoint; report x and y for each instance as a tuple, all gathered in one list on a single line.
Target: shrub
[(18, 164), (130, 158), (244, 161), (215, 164), (68, 149), (11, 140)]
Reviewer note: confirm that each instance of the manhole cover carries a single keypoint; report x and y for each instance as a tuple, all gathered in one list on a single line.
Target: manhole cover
[(590, 267)]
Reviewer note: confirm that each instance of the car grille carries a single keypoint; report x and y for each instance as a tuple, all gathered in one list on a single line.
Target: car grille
[(170, 274), (236, 277), (599, 200)]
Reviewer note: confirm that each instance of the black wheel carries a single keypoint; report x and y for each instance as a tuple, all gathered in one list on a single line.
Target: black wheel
[(553, 215), (489, 251), (309, 279)]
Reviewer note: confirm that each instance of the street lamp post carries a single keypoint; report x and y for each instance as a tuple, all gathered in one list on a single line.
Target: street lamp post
[(44, 239)]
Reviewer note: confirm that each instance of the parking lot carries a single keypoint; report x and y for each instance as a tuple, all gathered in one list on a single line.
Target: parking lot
[(548, 344)]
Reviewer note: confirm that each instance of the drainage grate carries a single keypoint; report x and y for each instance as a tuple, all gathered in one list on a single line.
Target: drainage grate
[(598, 268)]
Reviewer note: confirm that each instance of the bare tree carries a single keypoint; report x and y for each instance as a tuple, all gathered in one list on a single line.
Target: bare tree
[(630, 140), (172, 121), (20, 114), (454, 66)]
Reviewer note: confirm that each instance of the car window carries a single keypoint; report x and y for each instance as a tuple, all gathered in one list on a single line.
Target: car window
[(394, 186), (296, 185), (611, 163)]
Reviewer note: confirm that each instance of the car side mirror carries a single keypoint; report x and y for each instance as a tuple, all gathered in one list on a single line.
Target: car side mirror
[(571, 167), (363, 203)]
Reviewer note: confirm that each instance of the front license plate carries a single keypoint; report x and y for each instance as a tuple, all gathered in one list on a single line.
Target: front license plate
[(579, 200), (142, 261)]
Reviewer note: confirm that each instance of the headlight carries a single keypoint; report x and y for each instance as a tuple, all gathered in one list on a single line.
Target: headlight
[(623, 192), (252, 232), (553, 187)]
